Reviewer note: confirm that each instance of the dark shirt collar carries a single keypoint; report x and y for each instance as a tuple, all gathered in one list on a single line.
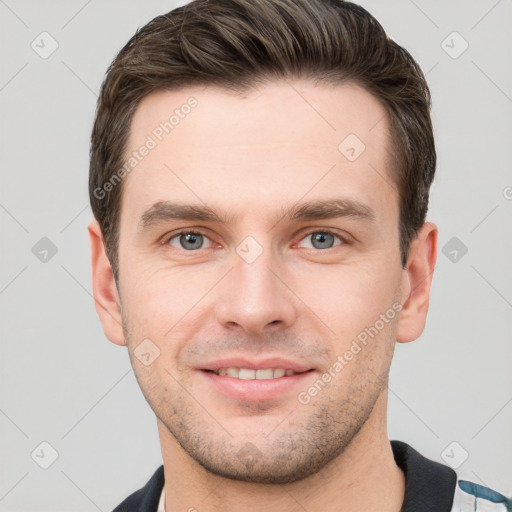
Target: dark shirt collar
[(429, 486)]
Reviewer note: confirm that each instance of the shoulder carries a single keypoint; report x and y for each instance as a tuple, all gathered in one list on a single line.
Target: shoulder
[(434, 486), (429, 485), (146, 498)]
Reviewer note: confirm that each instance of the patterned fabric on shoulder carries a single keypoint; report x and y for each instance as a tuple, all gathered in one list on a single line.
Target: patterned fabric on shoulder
[(471, 497)]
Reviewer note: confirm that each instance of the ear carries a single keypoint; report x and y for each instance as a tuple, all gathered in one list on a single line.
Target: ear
[(106, 297), (416, 281)]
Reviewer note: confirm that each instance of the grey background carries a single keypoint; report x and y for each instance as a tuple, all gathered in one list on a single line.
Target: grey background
[(64, 383)]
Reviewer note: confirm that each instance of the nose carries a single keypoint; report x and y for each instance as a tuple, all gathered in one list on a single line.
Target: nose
[(255, 297)]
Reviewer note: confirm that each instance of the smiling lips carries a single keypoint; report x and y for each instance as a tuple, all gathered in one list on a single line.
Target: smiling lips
[(249, 373), (250, 380), (246, 368)]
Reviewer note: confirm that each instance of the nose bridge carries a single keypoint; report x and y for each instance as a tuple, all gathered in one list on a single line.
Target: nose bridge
[(253, 296)]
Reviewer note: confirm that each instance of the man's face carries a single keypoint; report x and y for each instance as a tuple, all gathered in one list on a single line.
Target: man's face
[(273, 284)]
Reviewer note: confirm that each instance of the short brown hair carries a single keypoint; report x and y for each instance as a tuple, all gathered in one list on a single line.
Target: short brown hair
[(237, 43)]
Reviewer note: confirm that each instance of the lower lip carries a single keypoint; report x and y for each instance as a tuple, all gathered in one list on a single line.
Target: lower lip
[(256, 390)]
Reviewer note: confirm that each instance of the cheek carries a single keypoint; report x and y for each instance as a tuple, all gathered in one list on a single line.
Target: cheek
[(160, 303), (348, 298)]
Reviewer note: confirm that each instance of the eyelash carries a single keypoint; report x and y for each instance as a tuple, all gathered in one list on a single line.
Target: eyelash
[(344, 240)]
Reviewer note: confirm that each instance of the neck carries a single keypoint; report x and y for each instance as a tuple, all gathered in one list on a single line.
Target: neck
[(364, 477)]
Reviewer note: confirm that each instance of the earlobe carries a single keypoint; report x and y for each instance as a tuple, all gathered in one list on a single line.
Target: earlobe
[(416, 283), (106, 297)]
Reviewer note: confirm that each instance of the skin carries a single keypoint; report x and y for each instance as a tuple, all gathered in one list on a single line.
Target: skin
[(253, 157)]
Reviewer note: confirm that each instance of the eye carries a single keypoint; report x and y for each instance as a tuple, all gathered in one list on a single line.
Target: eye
[(322, 239), (189, 240)]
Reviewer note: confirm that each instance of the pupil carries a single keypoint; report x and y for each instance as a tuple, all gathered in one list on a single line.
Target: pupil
[(322, 240), (191, 241)]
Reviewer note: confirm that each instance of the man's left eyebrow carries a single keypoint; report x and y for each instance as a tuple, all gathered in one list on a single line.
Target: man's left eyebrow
[(164, 211), (329, 209)]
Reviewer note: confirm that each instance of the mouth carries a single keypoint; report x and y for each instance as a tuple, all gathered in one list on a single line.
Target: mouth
[(257, 384), (255, 374)]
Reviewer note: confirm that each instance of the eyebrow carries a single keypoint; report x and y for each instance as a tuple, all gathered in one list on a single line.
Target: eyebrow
[(331, 208), (164, 211)]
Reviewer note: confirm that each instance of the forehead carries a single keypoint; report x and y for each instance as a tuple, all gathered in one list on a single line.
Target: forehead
[(272, 145)]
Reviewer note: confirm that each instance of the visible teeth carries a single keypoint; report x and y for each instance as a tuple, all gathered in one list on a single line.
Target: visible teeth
[(250, 374), (246, 374), (265, 374), (232, 372)]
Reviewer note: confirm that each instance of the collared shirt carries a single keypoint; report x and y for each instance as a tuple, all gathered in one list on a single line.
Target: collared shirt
[(429, 487)]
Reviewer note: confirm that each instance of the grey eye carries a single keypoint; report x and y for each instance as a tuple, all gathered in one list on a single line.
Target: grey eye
[(188, 240), (321, 240), (191, 241)]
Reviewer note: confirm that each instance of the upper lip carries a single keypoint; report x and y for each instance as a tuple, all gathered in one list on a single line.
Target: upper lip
[(256, 364)]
